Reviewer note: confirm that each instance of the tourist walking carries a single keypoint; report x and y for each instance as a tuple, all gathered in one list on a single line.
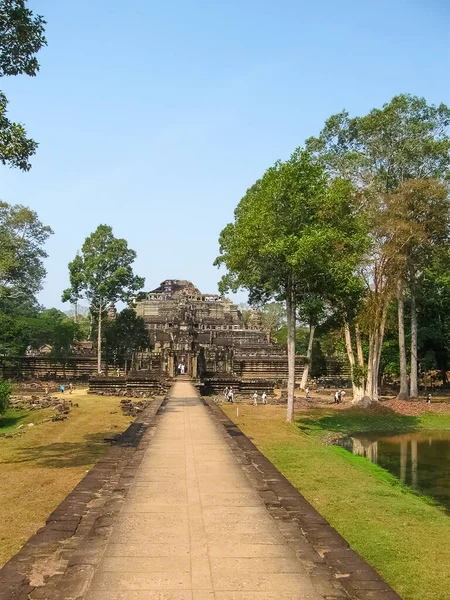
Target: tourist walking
[(70, 387), (62, 388), (264, 398), (255, 399), (225, 393), (428, 398), (307, 392), (337, 396), (230, 395)]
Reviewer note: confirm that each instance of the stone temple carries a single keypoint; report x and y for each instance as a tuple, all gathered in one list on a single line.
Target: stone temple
[(205, 336)]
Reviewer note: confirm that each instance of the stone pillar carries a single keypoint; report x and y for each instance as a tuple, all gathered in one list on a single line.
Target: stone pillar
[(170, 368), (194, 366)]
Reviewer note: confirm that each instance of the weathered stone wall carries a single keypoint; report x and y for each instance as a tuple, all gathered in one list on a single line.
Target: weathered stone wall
[(43, 367), (132, 386)]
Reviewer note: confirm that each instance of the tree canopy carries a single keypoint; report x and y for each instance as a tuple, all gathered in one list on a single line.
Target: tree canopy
[(288, 239), (21, 38), (22, 239), (124, 336), (102, 274)]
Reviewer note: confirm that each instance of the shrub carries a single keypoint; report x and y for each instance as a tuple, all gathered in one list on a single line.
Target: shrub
[(5, 392)]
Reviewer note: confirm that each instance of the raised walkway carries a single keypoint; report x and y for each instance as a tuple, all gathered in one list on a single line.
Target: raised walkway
[(193, 526), (184, 507)]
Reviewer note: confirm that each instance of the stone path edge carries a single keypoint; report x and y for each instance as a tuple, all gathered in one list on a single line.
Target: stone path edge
[(332, 561), (59, 560)]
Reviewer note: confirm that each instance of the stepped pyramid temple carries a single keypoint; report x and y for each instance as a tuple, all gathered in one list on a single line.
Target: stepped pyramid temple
[(204, 336)]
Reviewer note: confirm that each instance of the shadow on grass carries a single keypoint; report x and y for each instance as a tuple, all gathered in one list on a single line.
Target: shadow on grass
[(356, 420), (60, 455), (11, 419)]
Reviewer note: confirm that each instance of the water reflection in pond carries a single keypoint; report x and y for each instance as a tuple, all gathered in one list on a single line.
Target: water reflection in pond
[(420, 460)]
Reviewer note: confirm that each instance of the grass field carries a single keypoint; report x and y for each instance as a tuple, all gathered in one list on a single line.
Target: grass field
[(40, 465), (403, 535)]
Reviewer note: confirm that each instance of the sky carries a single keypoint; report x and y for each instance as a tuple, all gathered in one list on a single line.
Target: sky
[(155, 118)]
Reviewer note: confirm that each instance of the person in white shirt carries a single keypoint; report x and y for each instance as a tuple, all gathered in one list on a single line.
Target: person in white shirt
[(255, 399), (264, 398)]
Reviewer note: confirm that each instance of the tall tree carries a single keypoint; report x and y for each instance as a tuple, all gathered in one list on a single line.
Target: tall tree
[(21, 38), (102, 273), (405, 139), (124, 336), (22, 239), (288, 234), (418, 214)]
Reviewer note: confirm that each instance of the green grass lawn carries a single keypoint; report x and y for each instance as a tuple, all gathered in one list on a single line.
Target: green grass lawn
[(405, 536), (355, 420)]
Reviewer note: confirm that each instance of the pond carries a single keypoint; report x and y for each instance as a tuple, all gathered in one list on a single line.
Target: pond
[(419, 460)]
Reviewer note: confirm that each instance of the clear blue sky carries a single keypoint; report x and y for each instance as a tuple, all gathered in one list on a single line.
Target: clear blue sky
[(156, 117)]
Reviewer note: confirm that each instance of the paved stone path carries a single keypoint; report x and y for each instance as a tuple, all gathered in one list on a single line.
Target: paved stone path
[(193, 527)]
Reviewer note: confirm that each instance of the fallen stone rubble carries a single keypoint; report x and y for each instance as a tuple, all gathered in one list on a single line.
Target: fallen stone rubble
[(122, 392), (131, 409)]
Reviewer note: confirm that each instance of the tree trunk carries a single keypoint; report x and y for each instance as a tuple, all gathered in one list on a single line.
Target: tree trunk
[(358, 386), (99, 340), (291, 319), (414, 391), (305, 375), (376, 337), (359, 345), (403, 393)]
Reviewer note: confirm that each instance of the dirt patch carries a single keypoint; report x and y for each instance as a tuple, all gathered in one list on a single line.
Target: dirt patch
[(416, 407)]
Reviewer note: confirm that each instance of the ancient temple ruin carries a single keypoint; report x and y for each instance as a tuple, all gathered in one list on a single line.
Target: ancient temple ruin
[(205, 336)]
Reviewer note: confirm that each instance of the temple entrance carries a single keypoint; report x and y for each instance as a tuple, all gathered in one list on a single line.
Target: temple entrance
[(185, 363), (182, 367)]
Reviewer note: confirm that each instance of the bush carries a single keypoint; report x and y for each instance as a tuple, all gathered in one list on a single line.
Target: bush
[(5, 392)]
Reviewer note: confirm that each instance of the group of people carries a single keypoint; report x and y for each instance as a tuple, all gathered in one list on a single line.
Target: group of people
[(339, 396), (228, 393), (263, 398), (62, 388), (70, 387)]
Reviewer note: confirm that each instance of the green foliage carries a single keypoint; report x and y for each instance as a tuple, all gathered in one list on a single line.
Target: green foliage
[(19, 332), (246, 313), (291, 226), (301, 339), (296, 235), (21, 38), (84, 325), (22, 239), (359, 374), (398, 158), (124, 336), (102, 273), (5, 392), (273, 316), (406, 138)]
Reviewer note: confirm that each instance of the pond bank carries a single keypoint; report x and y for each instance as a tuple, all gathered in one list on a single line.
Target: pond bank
[(406, 537)]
